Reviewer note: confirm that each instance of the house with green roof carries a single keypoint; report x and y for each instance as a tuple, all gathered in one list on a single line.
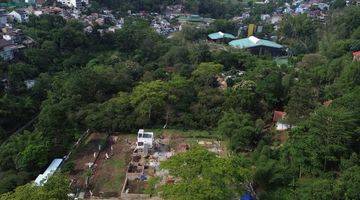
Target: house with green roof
[(220, 36), (258, 46)]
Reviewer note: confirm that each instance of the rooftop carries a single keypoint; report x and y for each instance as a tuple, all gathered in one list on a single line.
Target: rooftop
[(253, 41), (220, 35), (356, 53), (42, 178), (278, 115)]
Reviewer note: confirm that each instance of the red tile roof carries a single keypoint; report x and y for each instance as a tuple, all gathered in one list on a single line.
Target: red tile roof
[(356, 53), (278, 115)]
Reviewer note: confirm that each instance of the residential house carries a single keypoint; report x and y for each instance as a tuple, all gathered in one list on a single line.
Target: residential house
[(356, 56), (73, 3), (275, 19), (7, 49), (13, 35), (3, 18), (220, 36), (259, 46), (144, 139), (279, 118), (323, 6), (19, 15), (265, 17)]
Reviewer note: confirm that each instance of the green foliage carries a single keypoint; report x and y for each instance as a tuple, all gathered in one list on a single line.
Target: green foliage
[(148, 97), (300, 33), (68, 167), (240, 60), (302, 101), (225, 26), (15, 110), (350, 183), (196, 170), (24, 152), (328, 137), (345, 22), (204, 74), (316, 189), (271, 175), (190, 33), (11, 179), (57, 187), (239, 129), (114, 114), (338, 4), (268, 82), (206, 111), (152, 182)]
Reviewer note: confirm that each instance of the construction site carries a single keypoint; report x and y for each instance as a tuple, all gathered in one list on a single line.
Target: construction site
[(118, 166)]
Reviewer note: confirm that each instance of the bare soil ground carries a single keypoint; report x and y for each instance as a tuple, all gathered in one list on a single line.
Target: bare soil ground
[(109, 174), (84, 155)]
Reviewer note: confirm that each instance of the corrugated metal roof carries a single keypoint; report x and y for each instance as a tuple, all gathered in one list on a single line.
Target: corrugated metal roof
[(42, 178), (253, 41), (278, 115), (220, 35), (356, 53)]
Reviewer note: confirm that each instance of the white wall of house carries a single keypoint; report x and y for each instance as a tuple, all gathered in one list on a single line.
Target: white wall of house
[(73, 3), (145, 138), (17, 17), (282, 126)]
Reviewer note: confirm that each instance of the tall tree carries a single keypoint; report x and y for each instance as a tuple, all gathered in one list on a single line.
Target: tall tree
[(150, 99)]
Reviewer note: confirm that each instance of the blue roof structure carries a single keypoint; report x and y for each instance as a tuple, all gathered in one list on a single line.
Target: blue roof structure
[(253, 41), (220, 35), (42, 178), (246, 196)]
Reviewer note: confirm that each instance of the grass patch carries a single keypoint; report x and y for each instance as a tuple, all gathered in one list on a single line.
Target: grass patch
[(112, 185), (114, 163), (112, 180)]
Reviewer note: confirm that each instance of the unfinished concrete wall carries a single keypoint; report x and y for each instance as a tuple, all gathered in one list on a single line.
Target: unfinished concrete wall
[(131, 196), (125, 196), (133, 176)]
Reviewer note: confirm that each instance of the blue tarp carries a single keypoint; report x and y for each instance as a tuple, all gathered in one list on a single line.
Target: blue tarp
[(246, 196)]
